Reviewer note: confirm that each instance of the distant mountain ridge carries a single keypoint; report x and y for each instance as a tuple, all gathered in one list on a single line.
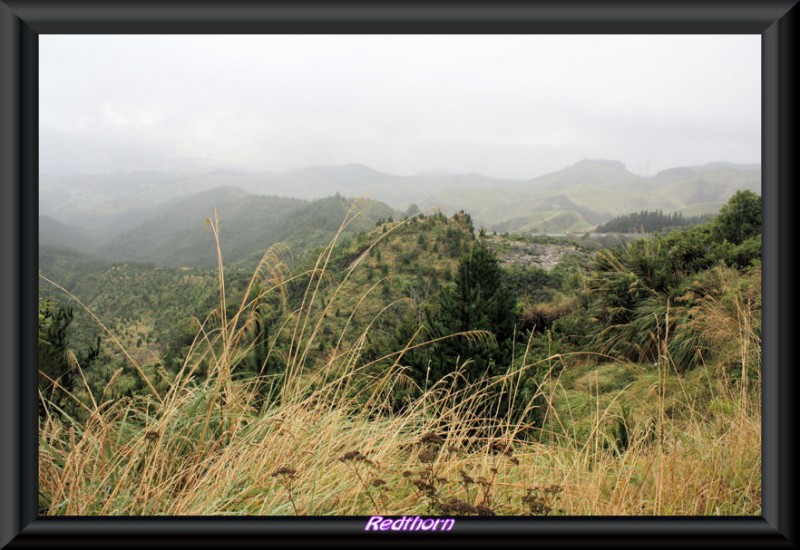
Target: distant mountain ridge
[(575, 198), (600, 172), (594, 191)]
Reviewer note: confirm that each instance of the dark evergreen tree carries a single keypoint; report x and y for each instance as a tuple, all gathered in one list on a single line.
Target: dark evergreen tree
[(479, 300), (648, 221)]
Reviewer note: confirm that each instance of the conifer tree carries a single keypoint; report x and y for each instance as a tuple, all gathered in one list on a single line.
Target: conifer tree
[(479, 300)]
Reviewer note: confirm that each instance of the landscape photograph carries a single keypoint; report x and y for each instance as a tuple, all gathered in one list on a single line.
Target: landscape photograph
[(399, 275)]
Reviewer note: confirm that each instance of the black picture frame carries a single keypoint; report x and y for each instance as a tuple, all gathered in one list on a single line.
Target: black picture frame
[(21, 21)]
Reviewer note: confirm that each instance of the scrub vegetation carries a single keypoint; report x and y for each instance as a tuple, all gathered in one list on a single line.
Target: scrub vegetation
[(408, 367)]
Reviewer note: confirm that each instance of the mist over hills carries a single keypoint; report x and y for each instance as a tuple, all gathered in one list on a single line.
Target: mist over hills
[(174, 233), (249, 224), (593, 191), (158, 217), (62, 235), (66, 195)]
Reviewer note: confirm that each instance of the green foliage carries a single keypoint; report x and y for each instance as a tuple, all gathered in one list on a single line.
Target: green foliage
[(535, 282), (741, 255), (646, 292), (479, 300), (331, 349), (650, 221), (740, 218), (54, 321), (58, 360), (249, 225), (631, 302)]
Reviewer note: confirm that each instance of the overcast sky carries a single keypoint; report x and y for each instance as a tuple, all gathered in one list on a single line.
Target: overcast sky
[(506, 106)]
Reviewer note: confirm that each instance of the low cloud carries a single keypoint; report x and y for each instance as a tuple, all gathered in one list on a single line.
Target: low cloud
[(507, 106)]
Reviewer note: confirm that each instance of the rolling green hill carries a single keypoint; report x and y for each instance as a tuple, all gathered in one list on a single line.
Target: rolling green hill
[(408, 262), (545, 221), (249, 224), (117, 207), (593, 191), (149, 308)]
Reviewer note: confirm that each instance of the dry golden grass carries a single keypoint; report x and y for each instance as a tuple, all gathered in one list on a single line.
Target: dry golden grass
[(216, 446)]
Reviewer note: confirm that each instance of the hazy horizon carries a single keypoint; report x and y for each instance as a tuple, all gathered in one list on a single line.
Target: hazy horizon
[(441, 172), (509, 107)]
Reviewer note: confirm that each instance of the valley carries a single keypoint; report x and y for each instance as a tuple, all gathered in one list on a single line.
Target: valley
[(498, 338), (116, 214)]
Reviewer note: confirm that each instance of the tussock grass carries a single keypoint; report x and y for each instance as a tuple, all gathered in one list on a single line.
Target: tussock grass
[(320, 440)]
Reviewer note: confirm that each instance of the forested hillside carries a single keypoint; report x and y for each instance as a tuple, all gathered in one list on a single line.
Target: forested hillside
[(175, 234), (648, 221), (133, 208), (407, 364)]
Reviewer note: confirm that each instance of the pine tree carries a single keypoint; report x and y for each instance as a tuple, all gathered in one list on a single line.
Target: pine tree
[(479, 300)]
